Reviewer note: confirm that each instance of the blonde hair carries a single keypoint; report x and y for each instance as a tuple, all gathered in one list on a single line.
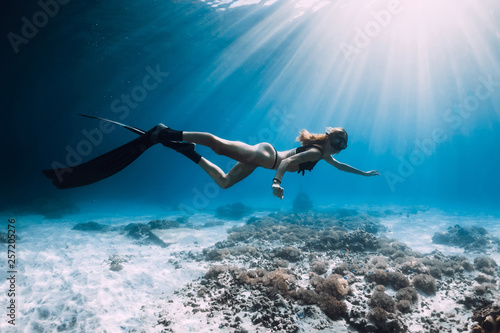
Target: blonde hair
[(305, 138)]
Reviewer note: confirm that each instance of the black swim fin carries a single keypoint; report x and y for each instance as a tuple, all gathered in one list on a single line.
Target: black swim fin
[(100, 167), (110, 163)]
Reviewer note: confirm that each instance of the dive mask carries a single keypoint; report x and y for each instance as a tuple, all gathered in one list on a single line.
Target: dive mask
[(339, 143)]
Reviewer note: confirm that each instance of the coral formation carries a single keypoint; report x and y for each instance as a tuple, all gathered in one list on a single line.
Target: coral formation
[(142, 232), (289, 253), (378, 276), (212, 224), (398, 280), (91, 226), (379, 262), (378, 315), (233, 211), (115, 262), (484, 288), (137, 230), (215, 254), (404, 306), (327, 293), (425, 283), (278, 278), (163, 224), (382, 312), (487, 318), (332, 307), (385, 277), (408, 294), (485, 264), (319, 267), (334, 285), (382, 300), (474, 239)]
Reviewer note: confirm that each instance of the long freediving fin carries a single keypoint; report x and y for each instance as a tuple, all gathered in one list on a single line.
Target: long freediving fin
[(110, 163), (100, 167), (130, 128)]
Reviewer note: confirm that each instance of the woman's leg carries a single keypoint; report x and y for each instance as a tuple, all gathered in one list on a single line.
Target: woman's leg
[(237, 150), (239, 172), (249, 157), (262, 154)]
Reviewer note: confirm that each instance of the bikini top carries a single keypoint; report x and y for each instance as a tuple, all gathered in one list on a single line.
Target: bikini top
[(309, 165)]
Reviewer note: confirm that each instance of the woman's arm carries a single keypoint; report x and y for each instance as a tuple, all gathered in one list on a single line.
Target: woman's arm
[(350, 169), (306, 156)]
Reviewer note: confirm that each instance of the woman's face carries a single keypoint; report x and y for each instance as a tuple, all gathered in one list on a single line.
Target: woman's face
[(338, 141)]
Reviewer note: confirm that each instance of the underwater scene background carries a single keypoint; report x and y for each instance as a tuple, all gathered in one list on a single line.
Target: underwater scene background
[(416, 84)]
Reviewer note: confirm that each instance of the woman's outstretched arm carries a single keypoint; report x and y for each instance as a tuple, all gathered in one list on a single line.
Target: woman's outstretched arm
[(350, 169)]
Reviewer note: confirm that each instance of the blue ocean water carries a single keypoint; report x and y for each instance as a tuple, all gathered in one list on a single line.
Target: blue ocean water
[(416, 88), (402, 81), (415, 84)]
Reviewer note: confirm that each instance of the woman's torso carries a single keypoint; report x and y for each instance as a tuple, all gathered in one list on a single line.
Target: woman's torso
[(294, 167)]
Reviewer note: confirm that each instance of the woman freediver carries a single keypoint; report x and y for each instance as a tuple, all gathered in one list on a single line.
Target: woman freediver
[(314, 147)]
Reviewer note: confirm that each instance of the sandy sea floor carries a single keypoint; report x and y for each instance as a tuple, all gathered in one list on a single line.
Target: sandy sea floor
[(64, 283)]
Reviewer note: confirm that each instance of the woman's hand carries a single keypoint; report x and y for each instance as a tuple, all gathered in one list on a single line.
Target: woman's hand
[(278, 190), (372, 173)]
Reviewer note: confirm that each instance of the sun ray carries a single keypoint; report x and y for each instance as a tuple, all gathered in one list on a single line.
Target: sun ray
[(392, 66)]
